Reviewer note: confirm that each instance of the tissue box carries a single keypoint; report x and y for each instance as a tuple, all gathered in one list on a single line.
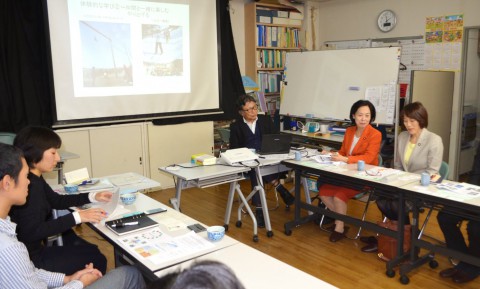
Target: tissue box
[(203, 159)]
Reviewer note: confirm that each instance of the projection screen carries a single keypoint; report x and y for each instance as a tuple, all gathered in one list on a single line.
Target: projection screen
[(115, 60)]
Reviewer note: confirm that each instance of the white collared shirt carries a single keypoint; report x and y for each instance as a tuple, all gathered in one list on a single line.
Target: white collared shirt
[(251, 125)]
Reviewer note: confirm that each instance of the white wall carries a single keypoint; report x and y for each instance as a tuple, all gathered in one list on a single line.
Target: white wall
[(353, 19)]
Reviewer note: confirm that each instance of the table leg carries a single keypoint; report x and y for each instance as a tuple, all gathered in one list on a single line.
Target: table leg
[(178, 194), (228, 211), (266, 215), (263, 200), (249, 210)]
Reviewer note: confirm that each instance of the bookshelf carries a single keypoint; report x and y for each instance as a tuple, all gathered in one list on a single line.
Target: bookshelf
[(271, 31)]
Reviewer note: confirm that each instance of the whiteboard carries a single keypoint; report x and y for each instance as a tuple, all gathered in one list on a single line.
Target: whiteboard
[(326, 83)]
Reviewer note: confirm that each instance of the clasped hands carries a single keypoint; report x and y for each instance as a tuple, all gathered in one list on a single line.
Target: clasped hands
[(87, 276), (335, 156)]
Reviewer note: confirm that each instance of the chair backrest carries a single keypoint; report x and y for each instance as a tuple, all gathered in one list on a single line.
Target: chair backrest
[(7, 137), (444, 169), (380, 160), (224, 134)]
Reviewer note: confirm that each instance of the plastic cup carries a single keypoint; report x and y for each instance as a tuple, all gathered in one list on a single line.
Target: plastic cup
[(361, 165)]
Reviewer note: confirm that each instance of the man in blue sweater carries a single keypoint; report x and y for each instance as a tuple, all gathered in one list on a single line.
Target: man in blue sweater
[(247, 131)]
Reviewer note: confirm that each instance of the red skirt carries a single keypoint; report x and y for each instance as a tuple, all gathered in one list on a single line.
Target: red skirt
[(342, 193)]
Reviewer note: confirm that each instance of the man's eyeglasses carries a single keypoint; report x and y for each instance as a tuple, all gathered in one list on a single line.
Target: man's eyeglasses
[(251, 109)]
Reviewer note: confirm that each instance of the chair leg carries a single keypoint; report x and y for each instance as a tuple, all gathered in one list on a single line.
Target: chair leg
[(321, 224), (364, 215), (427, 218)]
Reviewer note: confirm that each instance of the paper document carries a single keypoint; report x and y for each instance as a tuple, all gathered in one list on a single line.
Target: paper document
[(323, 159), (77, 176), (126, 179), (159, 248)]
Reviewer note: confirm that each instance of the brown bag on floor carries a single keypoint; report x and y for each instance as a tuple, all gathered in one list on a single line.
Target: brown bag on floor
[(387, 246)]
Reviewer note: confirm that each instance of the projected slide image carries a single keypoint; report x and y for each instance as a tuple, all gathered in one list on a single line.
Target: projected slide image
[(106, 54), (162, 50)]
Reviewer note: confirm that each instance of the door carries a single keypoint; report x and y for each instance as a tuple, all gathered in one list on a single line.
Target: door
[(116, 150), (434, 89)]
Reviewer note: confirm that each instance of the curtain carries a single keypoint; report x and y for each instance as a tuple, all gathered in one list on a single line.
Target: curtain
[(24, 85)]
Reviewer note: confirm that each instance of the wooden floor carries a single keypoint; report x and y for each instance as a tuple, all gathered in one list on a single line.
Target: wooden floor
[(308, 248)]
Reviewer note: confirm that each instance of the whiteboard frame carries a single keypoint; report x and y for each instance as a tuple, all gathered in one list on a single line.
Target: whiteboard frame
[(324, 84)]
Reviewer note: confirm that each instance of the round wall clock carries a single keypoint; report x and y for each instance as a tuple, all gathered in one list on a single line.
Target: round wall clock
[(386, 20)]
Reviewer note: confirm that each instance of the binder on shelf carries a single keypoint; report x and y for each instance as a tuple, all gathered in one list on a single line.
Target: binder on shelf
[(130, 224), (266, 12)]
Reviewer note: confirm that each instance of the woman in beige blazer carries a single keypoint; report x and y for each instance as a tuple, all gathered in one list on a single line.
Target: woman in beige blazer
[(418, 151)]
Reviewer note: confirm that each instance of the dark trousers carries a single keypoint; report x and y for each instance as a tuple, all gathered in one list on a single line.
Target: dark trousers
[(254, 181), (71, 257), (389, 208), (449, 224)]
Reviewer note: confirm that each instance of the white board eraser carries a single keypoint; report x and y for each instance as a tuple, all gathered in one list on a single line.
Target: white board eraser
[(355, 88)]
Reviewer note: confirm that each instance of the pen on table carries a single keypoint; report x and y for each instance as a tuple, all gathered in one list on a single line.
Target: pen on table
[(119, 225)]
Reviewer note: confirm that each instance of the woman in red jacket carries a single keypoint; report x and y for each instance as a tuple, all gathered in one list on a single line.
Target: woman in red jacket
[(361, 142)]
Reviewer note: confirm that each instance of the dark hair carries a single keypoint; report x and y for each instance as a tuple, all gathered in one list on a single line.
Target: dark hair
[(34, 141), (201, 275), (243, 99), (207, 274), (360, 103), (10, 161), (416, 111)]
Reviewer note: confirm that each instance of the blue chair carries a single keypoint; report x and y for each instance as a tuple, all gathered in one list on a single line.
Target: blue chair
[(7, 137), (225, 137)]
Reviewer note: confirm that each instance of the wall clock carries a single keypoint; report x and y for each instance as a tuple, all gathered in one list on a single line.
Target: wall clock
[(386, 20)]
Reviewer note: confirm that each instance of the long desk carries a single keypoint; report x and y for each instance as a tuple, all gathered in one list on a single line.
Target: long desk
[(257, 270), (254, 268), (401, 187), (348, 175), (465, 206), (188, 175), (172, 223)]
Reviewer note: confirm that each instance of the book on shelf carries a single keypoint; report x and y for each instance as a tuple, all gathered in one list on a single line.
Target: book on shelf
[(130, 224), (286, 21), (260, 99), (296, 15), (248, 84)]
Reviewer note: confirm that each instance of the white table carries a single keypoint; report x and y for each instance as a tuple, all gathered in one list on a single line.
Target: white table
[(257, 270), (170, 222), (466, 204), (189, 175)]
